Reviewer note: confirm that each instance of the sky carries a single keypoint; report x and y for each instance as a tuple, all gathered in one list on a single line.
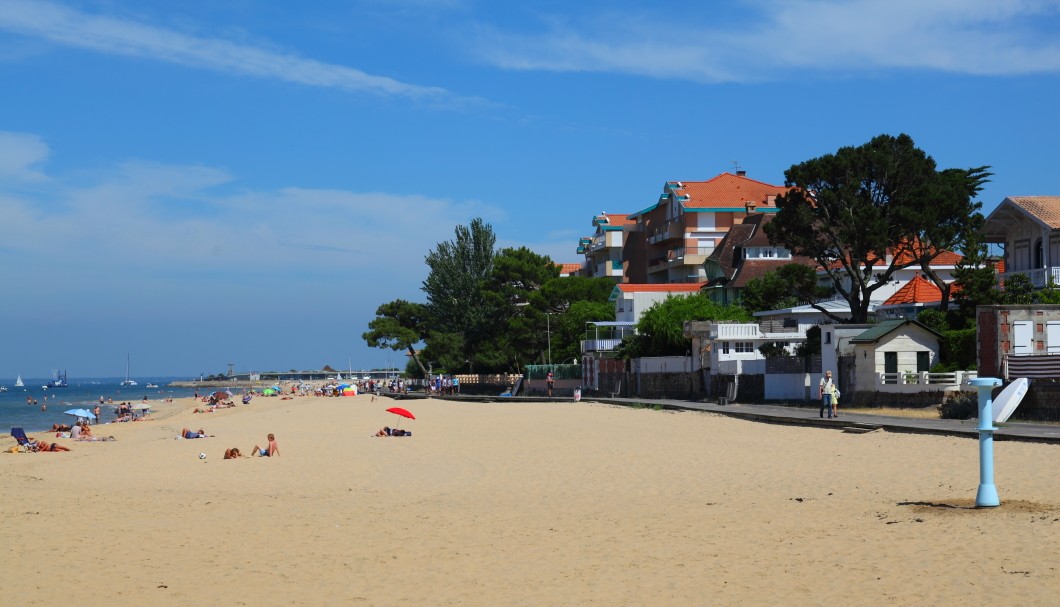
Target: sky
[(193, 184)]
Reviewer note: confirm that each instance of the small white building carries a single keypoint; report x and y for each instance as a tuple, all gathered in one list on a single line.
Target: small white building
[(632, 300)]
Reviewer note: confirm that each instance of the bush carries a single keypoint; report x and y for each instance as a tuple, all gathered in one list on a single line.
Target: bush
[(961, 405), (958, 348)]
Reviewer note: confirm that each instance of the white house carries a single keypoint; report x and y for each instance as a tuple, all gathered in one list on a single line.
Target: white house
[(631, 300)]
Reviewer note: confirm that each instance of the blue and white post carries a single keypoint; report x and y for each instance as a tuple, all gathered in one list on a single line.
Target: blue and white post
[(986, 497)]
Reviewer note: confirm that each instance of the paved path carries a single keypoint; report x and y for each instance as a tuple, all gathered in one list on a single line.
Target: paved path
[(809, 416)]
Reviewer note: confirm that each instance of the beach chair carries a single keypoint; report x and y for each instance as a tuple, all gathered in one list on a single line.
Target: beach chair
[(24, 443)]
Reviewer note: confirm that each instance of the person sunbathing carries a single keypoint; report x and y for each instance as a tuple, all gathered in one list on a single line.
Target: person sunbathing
[(43, 446), (387, 431), (185, 433), (60, 428), (232, 453)]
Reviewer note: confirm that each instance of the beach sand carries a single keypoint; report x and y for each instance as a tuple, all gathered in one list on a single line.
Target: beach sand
[(522, 504)]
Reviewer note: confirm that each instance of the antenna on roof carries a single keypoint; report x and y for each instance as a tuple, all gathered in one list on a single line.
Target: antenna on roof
[(737, 169)]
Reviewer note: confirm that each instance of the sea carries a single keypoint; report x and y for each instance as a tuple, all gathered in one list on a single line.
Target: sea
[(80, 393)]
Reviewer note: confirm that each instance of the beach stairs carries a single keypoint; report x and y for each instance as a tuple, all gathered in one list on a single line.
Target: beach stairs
[(518, 385)]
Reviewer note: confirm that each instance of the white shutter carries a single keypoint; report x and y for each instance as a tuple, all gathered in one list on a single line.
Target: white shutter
[(1022, 335)]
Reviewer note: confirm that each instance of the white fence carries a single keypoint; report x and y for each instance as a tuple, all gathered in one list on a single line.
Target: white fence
[(663, 364), (922, 381)]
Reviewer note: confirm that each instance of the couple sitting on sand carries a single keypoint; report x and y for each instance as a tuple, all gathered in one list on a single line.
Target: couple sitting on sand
[(271, 450), (387, 431), (82, 431)]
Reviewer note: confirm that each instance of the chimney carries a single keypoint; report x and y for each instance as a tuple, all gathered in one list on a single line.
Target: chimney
[(741, 173), (750, 205)]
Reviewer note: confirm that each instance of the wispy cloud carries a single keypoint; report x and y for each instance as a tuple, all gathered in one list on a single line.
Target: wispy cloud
[(772, 38), (155, 221), (66, 26), (20, 155)]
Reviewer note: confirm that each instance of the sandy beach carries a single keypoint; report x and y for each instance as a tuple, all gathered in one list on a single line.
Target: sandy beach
[(522, 504)]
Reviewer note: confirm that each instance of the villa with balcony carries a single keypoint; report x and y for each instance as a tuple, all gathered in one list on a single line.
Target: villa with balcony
[(689, 220), (1028, 227)]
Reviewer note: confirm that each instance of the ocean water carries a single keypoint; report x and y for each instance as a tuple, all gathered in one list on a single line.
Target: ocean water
[(81, 393)]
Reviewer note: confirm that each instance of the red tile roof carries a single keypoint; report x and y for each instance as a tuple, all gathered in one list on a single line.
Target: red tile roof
[(728, 190), (569, 268), (1045, 208), (904, 256), (663, 287), (919, 290), (618, 219)]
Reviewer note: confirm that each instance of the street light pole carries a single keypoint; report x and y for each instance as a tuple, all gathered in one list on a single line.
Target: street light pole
[(548, 329)]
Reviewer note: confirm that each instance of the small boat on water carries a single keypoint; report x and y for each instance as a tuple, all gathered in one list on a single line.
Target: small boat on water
[(152, 385), (18, 382), (58, 379), (128, 382), (3, 388)]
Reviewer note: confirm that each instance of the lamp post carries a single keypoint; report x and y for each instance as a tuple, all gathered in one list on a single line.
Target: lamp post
[(548, 330)]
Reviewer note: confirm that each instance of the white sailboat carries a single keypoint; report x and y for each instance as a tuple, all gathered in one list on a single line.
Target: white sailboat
[(127, 382), (18, 382)]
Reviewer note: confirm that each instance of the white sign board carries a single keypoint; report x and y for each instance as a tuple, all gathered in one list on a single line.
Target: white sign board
[(1006, 402)]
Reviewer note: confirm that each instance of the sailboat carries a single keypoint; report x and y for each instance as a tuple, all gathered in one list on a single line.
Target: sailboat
[(18, 382), (127, 382)]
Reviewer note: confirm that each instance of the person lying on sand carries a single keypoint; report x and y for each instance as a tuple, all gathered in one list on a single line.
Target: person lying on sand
[(387, 431), (60, 428), (232, 453), (185, 433), (271, 451), (43, 446)]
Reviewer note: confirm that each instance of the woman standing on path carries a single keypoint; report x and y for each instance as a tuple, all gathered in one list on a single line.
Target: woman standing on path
[(826, 392)]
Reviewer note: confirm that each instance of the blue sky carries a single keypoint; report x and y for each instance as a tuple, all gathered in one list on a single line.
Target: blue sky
[(198, 183)]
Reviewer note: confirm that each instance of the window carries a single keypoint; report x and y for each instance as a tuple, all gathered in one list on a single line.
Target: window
[(744, 346), (827, 337), (724, 347)]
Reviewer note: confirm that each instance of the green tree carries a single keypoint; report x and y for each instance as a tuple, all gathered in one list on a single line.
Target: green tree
[(788, 286), (515, 334), (660, 330), (948, 220), (398, 325), (849, 209), (458, 269)]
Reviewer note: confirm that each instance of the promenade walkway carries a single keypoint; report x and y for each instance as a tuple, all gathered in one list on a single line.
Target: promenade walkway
[(807, 416)]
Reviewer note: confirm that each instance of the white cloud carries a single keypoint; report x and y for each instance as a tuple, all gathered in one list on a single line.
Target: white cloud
[(960, 36), (20, 153), (66, 26), (155, 221)]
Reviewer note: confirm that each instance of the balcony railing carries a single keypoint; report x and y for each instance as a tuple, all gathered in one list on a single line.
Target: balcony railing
[(1040, 277), (671, 230)]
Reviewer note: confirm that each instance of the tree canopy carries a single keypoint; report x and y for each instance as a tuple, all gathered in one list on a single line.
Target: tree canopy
[(491, 311), (788, 286), (865, 212), (660, 330)]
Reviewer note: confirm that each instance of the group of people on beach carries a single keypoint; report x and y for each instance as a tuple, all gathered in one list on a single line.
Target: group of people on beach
[(271, 449)]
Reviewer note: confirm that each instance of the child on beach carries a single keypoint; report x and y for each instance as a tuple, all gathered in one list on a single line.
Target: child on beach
[(271, 451)]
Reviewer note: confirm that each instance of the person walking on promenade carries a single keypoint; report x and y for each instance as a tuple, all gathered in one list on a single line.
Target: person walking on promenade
[(826, 392), (550, 380)]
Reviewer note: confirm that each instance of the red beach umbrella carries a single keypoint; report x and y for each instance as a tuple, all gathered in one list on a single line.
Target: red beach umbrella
[(401, 412)]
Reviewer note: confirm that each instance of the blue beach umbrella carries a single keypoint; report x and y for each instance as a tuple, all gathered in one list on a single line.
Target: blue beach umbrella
[(85, 413)]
